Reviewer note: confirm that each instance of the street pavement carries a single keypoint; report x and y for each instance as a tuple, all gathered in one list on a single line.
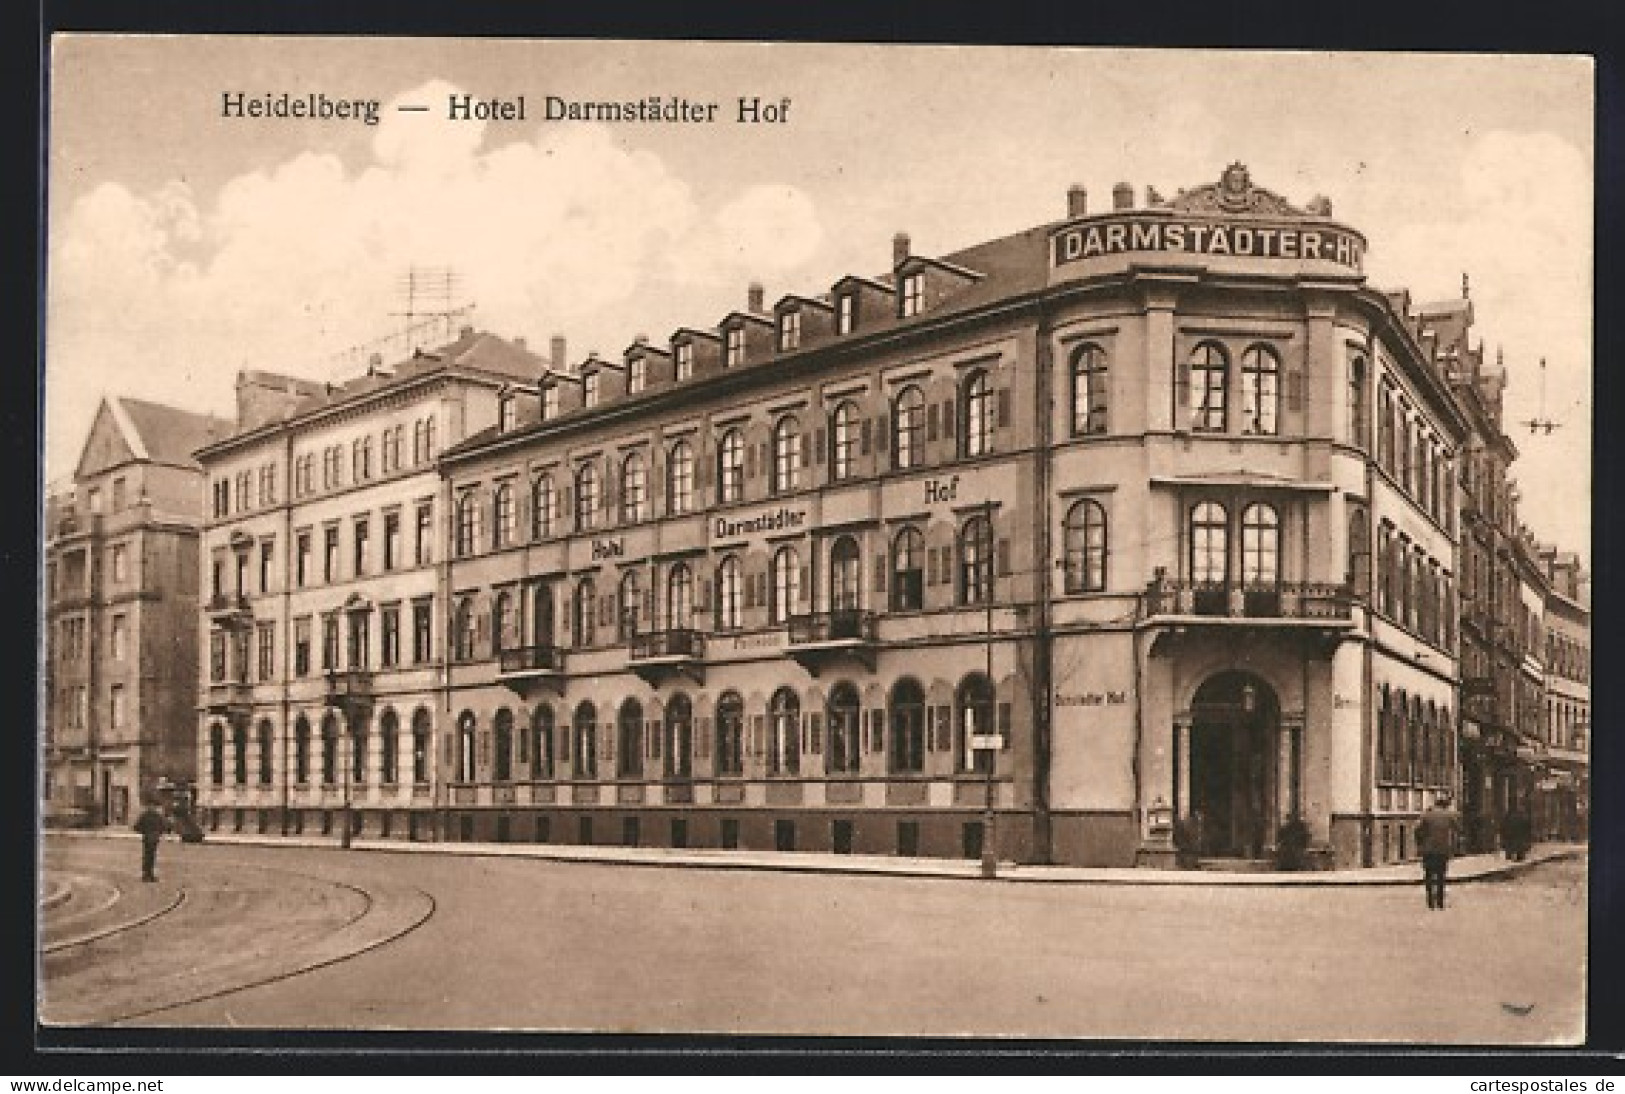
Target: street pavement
[(448, 939)]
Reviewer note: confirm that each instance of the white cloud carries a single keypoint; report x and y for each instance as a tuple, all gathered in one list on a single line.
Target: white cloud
[(566, 229)]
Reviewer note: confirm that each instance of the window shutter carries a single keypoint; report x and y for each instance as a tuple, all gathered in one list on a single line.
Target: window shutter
[(880, 433), (1004, 725), (818, 446), (702, 737), (930, 565), (607, 747), (877, 730), (806, 583), (931, 728), (566, 732), (1004, 407), (807, 450), (948, 417), (945, 728), (1004, 558), (567, 507), (446, 752), (865, 436), (750, 461), (705, 595), (1294, 389), (863, 729), (817, 725), (1182, 396), (880, 572), (651, 734), (757, 730), (931, 423)]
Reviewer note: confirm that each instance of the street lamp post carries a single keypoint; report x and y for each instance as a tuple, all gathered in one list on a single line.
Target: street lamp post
[(990, 867), (349, 759)]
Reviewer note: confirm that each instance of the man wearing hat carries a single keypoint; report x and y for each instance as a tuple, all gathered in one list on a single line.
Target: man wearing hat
[(1436, 836), (151, 825)]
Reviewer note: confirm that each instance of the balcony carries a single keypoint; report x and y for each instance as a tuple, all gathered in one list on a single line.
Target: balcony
[(525, 668), (657, 655), (823, 637), (1184, 607), (233, 698), (229, 610), (350, 690)]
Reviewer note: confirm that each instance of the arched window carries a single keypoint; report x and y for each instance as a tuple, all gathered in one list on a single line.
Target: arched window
[(974, 709), (679, 597), (908, 570), (845, 585), (631, 604), (468, 523), (358, 754), (584, 614), (784, 733), (679, 737), (844, 755), (420, 747), (634, 489), (977, 414), (908, 428), (729, 582), (786, 584), (786, 454), (265, 750), (1088, 390), (680, 479), (389, 737), (629, 741), (503, 624), (1085, 546), (1260, 546), (239, 754), (330, 750), (462, 629), (1260, 391), (1209, 374), (1385, 427), (217, 754), (731, 467), (584, 743), (907, 728), (730, 734), (1359, 571), (976, 561), (541, 742), (844, 436), (1210, 544), (505, 517), (502, 763), (587, 499), (544, 512), (301, 750), (1357, 401)]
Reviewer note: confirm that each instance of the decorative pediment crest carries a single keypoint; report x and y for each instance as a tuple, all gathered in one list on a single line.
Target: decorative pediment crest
[(1235, 193)]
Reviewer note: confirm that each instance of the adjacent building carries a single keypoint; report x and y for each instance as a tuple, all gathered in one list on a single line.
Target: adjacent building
[(120, 613), (1139, 524), (1563, 792), (321, 692)]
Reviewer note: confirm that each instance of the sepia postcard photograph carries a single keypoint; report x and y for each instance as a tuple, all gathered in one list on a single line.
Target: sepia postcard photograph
[(776, 539)]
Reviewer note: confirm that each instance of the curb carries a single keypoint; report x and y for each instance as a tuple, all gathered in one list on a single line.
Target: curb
[(1008, 872)]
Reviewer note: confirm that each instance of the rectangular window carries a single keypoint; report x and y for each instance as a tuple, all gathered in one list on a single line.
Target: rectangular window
[(266, 554), (637, 375), (359, 649), (422, 632), (118, 494), (330, 554), (589, 389), (302, 560), (789, 331), (506, 414), (550, 402), (846, 313), (121, 563), (265, 647), (390, 655), (392, 540), (301, 646), (330, 641), (120, 637), (685, 360), (423, 547), (735, 352), (363, 544), (116, 706), (913, 294)]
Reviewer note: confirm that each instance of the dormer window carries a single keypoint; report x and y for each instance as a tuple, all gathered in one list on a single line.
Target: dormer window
[(589, 389), (913, 294), (506, 414), (550, 402), (685, 361), (735, 353), (846, 313), (789, 331), (637, 373)]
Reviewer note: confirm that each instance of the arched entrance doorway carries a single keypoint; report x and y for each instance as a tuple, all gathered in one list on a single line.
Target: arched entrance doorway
[(1235, 724)]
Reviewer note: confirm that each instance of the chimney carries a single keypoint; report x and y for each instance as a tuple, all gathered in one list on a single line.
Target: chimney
[(641, 340), (1077, 202), (556, 352), (753, 298), (466, 332), (1122, 196), (899, 249)]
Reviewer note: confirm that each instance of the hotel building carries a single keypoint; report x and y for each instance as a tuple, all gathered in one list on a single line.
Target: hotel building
[(321, 688), (1142, 523)]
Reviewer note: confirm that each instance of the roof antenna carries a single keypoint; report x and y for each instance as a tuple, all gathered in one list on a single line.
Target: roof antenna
[(1541, 423)]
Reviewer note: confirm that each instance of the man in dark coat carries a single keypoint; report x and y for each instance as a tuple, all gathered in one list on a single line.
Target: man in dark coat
[(1436, 836), (151, 825)]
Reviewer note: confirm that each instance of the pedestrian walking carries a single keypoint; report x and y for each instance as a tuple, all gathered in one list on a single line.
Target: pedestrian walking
[(1516, 835), (1436, 836), (152, 826)]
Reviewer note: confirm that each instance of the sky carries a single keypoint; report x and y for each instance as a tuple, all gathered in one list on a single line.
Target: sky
[(184, 246)]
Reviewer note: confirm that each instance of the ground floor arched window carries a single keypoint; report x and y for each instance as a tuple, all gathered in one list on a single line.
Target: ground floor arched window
[(974, 715), (629, 740), (843, 755), (584, 730), (541, 742), (784, 733), (907, 728), (679, 737), (730, 734)]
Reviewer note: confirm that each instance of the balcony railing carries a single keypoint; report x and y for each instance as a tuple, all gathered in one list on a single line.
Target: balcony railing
[(843, 625), (1225, 600), (538, 658), (678, 642), (228, 609), (227, 696), (349, 685)]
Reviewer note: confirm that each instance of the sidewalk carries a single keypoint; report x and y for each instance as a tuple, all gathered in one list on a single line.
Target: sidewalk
[(1464, 868)]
